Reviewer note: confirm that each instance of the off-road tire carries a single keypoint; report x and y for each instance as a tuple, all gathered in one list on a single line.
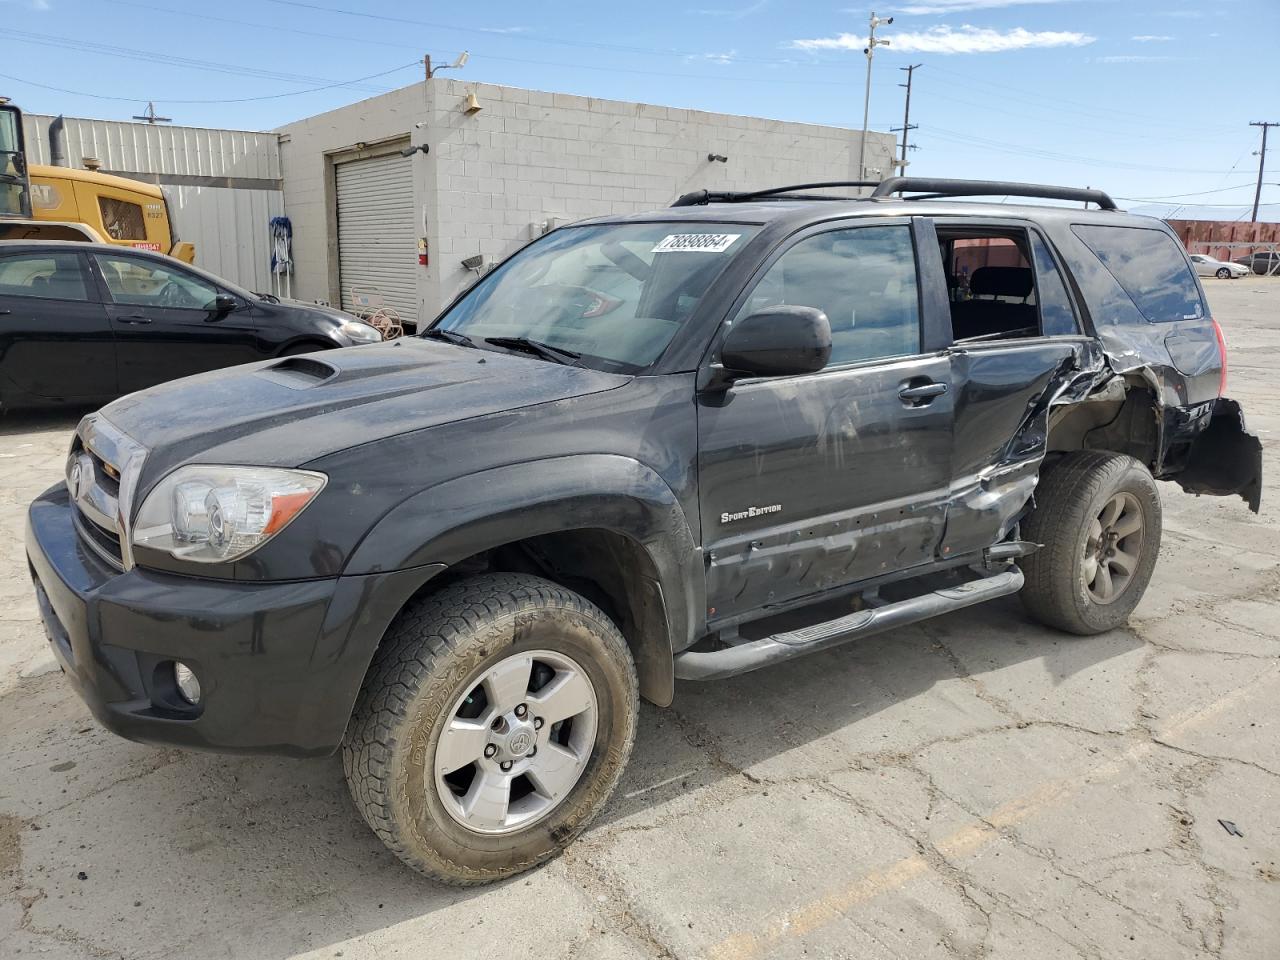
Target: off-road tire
[(432, 654), (1072, 491)]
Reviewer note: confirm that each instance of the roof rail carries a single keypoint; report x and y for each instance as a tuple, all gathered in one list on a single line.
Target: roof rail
[(699, 197), (987, 188)]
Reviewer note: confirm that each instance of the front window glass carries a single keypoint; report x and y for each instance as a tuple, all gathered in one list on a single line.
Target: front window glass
[(13, 179), (863, 279), (149, 284), (615, 294)]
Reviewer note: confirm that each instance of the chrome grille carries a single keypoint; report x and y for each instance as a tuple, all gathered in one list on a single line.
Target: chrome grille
[(102, 469)]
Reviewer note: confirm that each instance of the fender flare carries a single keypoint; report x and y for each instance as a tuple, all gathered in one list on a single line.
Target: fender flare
[(459, 518)]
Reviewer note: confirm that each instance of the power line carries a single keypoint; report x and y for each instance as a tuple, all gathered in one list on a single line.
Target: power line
[(1022, 150), (270, 96), (155, 56), (1199, 193)]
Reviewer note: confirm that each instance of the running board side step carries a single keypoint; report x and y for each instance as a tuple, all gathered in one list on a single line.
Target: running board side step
[(752, 655)]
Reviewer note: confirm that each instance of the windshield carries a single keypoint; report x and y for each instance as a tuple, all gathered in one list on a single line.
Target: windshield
[(613, 294), (13, 181)]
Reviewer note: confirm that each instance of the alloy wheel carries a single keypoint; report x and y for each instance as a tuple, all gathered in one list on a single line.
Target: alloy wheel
[(1113, 548), (517, 742)]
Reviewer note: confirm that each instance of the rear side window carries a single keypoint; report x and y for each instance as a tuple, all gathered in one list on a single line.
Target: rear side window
[(51, 276), (122, 219), (1150, 268)]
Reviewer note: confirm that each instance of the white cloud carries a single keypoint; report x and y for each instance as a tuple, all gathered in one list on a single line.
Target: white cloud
[(1132, 58), (733, 13), (1151, 38), (718, 58), (947, 40), (960, 6)]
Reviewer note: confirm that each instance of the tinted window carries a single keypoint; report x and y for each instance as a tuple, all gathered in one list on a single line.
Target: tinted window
[(863, 279), (122, 220), (55, 276), (1057, 319), (1149, 266), (150, 284)]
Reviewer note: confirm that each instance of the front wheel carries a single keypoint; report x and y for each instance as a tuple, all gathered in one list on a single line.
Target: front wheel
[(1098, 516), (1223, 273), (494, 723)]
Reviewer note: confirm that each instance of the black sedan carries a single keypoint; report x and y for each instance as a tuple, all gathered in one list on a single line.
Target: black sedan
[(1262, 262), (82, 323)]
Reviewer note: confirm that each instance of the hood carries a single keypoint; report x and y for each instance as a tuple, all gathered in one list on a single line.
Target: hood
[(289, 411)]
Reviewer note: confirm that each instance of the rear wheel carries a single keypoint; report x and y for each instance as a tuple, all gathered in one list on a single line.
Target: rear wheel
[(1223, 273), (493, 725), (1098, 516)]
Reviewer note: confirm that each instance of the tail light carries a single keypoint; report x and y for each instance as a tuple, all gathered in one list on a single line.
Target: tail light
[(1222, 354)]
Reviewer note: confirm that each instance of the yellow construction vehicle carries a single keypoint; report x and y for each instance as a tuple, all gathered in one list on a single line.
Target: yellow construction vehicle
[(56, 202)]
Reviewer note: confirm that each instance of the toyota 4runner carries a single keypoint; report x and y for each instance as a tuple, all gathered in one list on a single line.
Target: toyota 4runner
[(681, 444)]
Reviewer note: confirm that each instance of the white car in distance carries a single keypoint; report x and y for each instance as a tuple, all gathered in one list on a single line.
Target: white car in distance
[(1206, 266)]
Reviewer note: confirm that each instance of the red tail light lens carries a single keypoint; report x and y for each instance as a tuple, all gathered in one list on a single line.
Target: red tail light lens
[(1222, 353)]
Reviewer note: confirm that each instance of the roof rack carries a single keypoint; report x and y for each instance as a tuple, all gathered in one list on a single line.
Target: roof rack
[(935, 188), (700, 197)]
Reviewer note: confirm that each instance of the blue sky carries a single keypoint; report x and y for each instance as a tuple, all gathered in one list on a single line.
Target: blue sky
[(1140, 97)]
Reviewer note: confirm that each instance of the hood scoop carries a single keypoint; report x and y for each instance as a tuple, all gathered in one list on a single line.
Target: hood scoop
[(300, 372)]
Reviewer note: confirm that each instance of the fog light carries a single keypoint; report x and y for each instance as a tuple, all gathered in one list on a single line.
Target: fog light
[(188, 685)]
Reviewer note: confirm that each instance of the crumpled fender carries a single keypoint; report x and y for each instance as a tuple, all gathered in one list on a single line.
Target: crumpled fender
[(461, 517)]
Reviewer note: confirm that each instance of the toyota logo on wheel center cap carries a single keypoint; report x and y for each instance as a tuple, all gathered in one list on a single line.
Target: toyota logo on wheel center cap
[(520, 742)]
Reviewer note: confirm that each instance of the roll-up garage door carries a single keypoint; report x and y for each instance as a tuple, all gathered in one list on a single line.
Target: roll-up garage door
[(377, 244)]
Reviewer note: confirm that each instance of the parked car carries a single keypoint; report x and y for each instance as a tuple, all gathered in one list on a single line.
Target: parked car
[(82, 323), (462, 558), (1207, 266), (1263, 262)]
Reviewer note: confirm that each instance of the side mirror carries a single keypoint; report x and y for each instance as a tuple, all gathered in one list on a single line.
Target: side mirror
[(223, 304), (778, 341)]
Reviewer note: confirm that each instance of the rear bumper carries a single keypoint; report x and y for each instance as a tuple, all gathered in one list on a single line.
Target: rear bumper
[(1225, 459), (279, 664)]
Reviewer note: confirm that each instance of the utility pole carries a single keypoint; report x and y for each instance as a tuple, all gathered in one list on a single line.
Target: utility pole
[(870, 51), (907, 125), (150, 115), (1262, 164)]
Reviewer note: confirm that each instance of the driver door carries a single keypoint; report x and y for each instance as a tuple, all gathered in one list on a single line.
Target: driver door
[(164, 322)]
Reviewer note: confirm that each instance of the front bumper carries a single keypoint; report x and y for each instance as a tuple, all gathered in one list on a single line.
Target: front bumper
[(279, 664)]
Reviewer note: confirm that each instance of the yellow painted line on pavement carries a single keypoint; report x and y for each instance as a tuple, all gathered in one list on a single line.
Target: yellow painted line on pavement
[(749, 945)]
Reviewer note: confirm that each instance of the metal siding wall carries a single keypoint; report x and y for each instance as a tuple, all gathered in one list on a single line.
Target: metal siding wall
[(156, 148), (377, 245), (228, 226)]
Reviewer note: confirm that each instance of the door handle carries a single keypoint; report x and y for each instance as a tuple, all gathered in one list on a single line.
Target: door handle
[(922, 394), (135, 318), (5, 313)]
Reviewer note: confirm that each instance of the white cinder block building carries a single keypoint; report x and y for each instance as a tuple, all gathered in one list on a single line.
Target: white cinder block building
[(503, 166)]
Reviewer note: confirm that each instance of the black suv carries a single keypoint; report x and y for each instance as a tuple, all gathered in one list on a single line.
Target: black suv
[(686, 443)]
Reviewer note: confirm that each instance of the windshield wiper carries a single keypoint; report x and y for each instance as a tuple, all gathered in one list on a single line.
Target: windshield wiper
[(449, 336), (537, 348)]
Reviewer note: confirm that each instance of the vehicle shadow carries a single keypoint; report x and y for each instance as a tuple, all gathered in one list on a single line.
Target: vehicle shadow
[(15, 422), (268, 857)]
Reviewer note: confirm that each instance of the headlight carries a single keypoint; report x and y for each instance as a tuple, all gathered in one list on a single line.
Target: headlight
[(358, 332), (211, 514)]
